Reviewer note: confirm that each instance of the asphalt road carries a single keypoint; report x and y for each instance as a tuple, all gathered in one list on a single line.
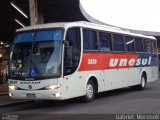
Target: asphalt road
[(122, 101)]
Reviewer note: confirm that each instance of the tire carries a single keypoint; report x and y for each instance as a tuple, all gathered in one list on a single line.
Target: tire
[(90, 92), (143, 83)]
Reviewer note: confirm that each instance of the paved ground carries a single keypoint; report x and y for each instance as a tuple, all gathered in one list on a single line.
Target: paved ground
[(5, 99), (123, 101), (3, 89)]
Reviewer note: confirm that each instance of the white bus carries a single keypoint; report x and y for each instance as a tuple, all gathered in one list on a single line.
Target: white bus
[(60, 61)]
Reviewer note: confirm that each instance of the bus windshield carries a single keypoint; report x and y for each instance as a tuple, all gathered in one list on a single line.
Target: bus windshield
[(37, 54)]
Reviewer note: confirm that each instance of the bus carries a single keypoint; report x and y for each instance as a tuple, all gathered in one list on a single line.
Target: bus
[(59, 61)]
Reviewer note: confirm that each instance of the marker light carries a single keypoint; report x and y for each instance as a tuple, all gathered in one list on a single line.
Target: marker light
[(37, 27)]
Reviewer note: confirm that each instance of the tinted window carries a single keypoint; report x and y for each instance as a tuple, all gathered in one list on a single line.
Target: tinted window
[(105, 41), (139, 44), (37, 54), (90, 40), (72, 51), (129, 43), (155, 47), (73, 37), (150, 46), (118, 42)]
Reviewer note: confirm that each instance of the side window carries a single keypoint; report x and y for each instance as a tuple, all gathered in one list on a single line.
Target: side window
[(150, 46), (147, 46), (72, 51), (105, 41), (73, 37), (90, 40), (118, 42), (155, 47), (139, 45), (129, 43)]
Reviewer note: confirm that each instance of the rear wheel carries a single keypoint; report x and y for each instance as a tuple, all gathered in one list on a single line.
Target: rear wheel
[(90, 91)]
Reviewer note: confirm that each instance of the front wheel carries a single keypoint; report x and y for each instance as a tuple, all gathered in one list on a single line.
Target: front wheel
[(90, 92), (143, 83)]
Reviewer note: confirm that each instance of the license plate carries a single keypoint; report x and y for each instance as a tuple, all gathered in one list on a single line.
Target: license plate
[(31, 95)]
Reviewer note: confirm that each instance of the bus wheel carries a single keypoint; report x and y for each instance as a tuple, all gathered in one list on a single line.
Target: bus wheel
[(142, 85), (90, 92)]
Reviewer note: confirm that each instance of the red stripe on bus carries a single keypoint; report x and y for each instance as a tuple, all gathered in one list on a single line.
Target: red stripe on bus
[(100, 61)]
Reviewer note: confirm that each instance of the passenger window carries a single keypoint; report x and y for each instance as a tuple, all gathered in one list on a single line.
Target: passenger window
[(147, 46), (90, 40), (105, 41), (118, 42), (129, 43), (154, 47), (139, 45), (150, 46)]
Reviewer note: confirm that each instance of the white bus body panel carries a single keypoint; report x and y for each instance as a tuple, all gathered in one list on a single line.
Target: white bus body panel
[(75, 85)]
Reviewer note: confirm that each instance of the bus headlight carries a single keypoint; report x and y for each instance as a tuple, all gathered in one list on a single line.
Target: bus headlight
[(57, 94), (12, 87), (52, 87)]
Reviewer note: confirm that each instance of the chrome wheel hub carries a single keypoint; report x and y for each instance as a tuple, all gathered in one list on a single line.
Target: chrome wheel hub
[(89, 91)]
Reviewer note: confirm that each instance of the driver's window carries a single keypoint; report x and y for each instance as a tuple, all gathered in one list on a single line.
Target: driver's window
[(72, 51)]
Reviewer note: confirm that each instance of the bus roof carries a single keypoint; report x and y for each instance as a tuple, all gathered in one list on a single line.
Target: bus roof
[(83, 24)]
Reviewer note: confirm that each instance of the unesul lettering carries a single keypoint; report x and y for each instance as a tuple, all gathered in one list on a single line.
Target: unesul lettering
[(131, 62)]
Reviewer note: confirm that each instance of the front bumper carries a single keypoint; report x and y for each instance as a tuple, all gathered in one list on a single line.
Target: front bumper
[(36, 94)]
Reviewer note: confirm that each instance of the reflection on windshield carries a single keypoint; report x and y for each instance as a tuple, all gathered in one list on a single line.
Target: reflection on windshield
[(37, 54)]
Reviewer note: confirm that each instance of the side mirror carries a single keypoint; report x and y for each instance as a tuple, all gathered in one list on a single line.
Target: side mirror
[(66, 43)]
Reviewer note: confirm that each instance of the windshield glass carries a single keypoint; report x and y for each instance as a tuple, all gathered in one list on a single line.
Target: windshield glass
[(37, 54)]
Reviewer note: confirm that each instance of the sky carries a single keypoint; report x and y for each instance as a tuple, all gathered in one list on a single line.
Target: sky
[(131, 14)]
